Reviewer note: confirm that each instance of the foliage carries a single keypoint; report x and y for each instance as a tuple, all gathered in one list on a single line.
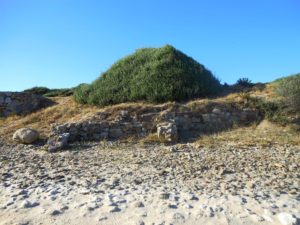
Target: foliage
[(153, 75), (37, 90), (81, 93), (50, 92), (244, 82), (289, 89), (63, 92), (271, 110)]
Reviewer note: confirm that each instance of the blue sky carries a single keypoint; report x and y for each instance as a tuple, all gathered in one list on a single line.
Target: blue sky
[(61, 43)]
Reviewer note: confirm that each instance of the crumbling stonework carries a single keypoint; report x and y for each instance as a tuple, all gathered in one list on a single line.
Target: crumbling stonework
[(171, 124), (167, 131), (21, 103)]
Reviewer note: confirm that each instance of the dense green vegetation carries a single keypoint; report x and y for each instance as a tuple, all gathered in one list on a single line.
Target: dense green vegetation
[(289, 89), (50, 92), (153, 75)]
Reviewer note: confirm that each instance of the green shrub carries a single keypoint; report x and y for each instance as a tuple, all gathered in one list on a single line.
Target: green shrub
[(63, 92), (81, 93), (289, 89), (37, 90), (153, 75)]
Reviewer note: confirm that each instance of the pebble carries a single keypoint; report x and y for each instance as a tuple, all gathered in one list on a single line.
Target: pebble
[(115, 209), (55, 212), (288, 219), (164, 196), (139, 204), (29, 204)]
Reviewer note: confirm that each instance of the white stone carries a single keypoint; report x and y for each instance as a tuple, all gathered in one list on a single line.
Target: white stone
[(217, 111), (287, 219), (167, 131), (29, 204), (26, 135)]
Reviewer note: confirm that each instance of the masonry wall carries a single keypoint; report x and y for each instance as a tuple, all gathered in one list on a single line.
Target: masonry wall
[(189, 124), (20, 103)]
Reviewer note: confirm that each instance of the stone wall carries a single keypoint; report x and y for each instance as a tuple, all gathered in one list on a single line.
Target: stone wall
[(20, 103), (187, 123)]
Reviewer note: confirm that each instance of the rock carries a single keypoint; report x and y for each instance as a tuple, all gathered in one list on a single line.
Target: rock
[(8, 100), (217, 111), (2, 100), (23, 223), (167, 131), (115, 133), (58, 142), (140, 223), (29, 204), (115, 209), (25, 135), (102, 218), (21, 103), (164, 196), (288, 219), (139, 204), (124, 113), (55, 212)]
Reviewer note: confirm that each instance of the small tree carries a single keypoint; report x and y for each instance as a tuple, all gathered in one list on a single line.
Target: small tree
[(244, 82)]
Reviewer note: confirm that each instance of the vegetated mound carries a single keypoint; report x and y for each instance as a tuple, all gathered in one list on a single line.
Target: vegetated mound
[(62, 92), (152, 75)]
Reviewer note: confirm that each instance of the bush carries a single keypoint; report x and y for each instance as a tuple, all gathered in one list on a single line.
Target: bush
[(81, 93), (37, 90), (63, 92), (289, 89), (153, 75), (59, 92), (244, 82)]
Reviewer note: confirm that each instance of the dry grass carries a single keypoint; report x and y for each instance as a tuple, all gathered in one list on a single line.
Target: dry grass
[(64, 110), (265, 134), (67, 110)]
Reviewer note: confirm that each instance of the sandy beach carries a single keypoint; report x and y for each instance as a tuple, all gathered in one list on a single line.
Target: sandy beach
[(111, 183)]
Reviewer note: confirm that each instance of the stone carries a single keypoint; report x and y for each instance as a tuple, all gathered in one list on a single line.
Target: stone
[(8, 100), (58, 142), (164, 196), (115, 209), (29, 204), (208, 118), (21, 103), (124, 113), (2, 100), (115, 133), (217, 111), (139, 204), (167, 131), (55, 212), (26, 136), (288, 219)]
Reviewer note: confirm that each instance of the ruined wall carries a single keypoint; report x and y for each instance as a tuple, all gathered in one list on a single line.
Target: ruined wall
[(186, 123), (20, 103)]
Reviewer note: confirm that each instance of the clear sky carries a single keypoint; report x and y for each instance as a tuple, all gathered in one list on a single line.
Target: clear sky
[(61, 43)]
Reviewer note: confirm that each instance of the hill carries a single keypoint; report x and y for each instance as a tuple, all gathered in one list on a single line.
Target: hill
[(152, 75)]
